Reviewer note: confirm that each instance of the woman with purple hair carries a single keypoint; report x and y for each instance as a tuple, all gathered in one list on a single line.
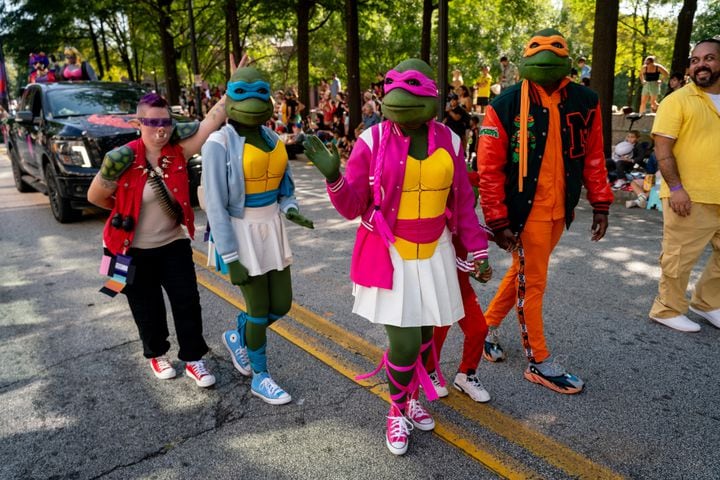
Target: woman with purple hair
[(40, 73), (145, 185)]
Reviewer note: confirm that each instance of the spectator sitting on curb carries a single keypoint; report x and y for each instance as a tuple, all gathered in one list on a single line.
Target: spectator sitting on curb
[(623, 158), (642, 187)]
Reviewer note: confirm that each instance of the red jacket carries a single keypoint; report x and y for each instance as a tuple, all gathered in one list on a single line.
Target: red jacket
[(128, 196)]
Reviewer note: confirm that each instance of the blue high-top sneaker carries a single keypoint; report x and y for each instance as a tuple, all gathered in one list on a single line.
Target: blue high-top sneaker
[(234, 341), (264, 387)]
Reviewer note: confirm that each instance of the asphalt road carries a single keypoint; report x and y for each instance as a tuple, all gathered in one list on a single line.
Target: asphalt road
[(77, 399)]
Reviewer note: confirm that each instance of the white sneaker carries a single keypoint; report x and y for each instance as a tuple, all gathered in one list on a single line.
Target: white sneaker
[(641, 201), (439, 389), (199, 372), (162, 368), (470, 385), (713, 316), (680, 323)]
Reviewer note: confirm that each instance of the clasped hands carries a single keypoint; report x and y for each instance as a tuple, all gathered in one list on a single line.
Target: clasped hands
[(483, 271)]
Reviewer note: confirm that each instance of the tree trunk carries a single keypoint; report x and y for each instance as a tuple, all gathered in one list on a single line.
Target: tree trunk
[(442, 57), (604, 49), (352, 58), (96, 49), (233, 28), (193, 54), (426, 30), (104, 44), (228, 73), (303, 51), (681, 51), (169, 55)]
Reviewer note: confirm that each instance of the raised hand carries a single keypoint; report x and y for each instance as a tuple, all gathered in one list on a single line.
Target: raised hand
[(294, 216), (244, 61), (239, 275), (328, 162)]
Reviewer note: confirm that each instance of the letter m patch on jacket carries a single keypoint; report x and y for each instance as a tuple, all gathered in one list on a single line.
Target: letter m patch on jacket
[(487, 131), (579, 131)]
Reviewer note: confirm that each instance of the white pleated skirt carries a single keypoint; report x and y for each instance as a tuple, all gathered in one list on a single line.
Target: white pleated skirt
[(262, 240), (425, 292)]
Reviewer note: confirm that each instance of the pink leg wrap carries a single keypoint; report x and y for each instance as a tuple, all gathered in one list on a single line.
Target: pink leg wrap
[(420, 376)]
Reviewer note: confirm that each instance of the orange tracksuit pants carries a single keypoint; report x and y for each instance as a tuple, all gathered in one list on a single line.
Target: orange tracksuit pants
[(538, 240)]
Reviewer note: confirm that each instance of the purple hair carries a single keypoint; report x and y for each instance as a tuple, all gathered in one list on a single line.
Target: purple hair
[(39, 59), (152, 100)]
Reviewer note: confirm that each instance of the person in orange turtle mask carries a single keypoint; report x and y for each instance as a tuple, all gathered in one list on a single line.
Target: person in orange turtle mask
[(540, 142)]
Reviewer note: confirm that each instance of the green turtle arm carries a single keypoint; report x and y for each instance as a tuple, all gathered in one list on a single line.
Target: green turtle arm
[(116, 162), (184, 130), (294, 216)]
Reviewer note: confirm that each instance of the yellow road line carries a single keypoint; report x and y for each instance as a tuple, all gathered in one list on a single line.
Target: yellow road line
[(493, 460), (540, 445)]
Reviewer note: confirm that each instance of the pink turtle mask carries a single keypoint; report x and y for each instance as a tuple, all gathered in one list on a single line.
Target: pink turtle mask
[(412, 81)]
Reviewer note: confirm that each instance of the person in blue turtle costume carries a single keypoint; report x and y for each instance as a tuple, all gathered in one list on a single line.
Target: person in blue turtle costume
[(248, 189)]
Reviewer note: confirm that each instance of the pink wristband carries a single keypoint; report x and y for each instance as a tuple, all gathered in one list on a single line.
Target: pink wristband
[(676, 187)]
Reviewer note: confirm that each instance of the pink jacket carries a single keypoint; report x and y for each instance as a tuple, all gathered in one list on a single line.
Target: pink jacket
[(352, 196)]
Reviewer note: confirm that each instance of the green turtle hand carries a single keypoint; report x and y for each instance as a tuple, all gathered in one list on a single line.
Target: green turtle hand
[(294, 216), (328, 162), (116, 162), (483, 271), (239, 275)]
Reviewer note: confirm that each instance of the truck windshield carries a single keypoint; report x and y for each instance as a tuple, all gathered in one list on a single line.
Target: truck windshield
[(89, 100)]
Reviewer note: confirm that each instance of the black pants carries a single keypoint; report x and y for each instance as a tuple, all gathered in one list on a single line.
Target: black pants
[(169, 267), (624, 168)]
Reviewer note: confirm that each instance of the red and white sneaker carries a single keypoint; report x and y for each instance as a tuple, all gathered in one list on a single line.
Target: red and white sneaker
[(162, 368), (397, 436), (199, 372), (419, 417)]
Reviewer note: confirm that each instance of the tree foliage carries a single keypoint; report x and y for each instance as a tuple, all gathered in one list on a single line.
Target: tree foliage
[(127, 42)]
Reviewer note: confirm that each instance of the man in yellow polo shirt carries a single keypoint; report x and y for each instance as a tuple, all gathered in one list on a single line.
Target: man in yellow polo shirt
[(482, 89), (687, 145)]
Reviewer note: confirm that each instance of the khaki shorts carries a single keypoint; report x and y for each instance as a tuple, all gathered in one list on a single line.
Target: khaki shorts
[(651, 89)]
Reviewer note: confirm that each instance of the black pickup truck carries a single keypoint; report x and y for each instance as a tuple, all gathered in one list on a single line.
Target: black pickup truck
[(60, 134)]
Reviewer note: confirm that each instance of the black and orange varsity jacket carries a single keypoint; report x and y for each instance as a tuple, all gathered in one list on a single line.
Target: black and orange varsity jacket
[(582, 149)]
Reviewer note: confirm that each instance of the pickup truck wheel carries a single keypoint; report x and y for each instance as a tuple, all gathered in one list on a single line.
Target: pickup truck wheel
[(21, 186), (60, 206)]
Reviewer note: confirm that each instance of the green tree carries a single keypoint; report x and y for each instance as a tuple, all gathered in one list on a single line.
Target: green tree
[(707, 24), (681, 50)]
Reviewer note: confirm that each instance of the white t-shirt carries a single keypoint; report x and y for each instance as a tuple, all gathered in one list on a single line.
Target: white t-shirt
[(715, 97)]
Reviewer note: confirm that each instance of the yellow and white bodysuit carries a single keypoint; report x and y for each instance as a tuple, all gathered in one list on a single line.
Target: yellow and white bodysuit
[(262, 239), (425, 287)]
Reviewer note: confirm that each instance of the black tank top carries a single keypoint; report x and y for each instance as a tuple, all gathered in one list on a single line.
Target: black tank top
[(652, 76)]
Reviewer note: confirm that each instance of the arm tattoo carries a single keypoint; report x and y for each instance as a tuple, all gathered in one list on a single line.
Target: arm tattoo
[(108, 184)]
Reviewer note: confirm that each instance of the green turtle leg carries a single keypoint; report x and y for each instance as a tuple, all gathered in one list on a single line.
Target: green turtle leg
[(267, 296)]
